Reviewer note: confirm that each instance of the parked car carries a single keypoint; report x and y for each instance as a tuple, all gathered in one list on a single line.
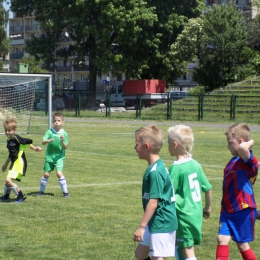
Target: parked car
[(178, 94)]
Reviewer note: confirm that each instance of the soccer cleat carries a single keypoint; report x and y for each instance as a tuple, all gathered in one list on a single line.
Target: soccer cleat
[(66, 195), (20, 199), (40, 193), (5, 197)]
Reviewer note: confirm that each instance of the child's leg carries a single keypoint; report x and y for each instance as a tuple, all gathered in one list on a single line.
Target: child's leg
[(13, 187), (142, 252), (44, 181), (62, 182), (189, 253), (222, 252), (246, 252), (7, 191)]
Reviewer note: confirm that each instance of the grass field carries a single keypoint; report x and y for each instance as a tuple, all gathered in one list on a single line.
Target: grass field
[(104, 177)]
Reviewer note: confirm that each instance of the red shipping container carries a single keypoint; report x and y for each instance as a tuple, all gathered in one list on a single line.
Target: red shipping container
[(144, 86)]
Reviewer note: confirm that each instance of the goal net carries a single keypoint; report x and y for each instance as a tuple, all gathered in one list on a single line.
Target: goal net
[(17, 99)]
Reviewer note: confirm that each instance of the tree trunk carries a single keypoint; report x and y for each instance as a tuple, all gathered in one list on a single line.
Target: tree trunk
[(92, 73)]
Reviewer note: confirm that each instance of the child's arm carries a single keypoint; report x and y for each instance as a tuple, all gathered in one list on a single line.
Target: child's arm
[(35, 148), (47, 141), (149, 211), (64, 145), (208, 200), (244, 149), (6, 164)]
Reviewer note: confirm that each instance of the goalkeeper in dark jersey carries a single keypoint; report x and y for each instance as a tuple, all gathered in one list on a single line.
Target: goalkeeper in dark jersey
[(15, 145)]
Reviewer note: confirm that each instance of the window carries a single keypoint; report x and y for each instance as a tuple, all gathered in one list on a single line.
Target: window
[(120, 89)]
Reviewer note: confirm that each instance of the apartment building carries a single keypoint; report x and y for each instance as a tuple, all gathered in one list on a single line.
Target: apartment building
[(22, 29)]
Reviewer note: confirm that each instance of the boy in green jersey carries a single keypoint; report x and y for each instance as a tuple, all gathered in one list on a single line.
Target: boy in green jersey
[(56, 139), (157, 229), (189, 182)]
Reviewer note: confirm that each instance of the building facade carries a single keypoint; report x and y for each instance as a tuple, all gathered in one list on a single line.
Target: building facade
[(22, 29)]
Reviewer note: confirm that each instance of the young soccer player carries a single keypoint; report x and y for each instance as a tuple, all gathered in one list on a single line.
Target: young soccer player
[(189, 183), (238, 206), (157, 229), (56, 139), (15, 145)]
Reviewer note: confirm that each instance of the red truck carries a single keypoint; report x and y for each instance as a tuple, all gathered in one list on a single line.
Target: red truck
[(130, 92)]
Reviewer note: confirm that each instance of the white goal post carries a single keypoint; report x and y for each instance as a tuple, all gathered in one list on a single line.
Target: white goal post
[(17, 95)]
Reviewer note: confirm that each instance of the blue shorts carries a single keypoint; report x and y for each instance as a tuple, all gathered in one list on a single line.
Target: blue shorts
[(239, 225)]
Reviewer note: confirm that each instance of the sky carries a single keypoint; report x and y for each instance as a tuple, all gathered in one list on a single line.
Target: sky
[(6, 6)]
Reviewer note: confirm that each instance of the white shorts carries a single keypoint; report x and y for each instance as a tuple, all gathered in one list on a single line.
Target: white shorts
[(161, 244)]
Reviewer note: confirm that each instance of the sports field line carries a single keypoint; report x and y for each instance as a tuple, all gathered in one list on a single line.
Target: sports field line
[(134, 157), (83, 185)]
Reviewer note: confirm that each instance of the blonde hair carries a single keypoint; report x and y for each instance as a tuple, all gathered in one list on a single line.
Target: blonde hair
[(150, 134), (237, 131), (183, 136), (10, 123)]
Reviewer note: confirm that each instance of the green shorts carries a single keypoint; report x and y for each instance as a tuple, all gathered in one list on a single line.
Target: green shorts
[(49, 166)]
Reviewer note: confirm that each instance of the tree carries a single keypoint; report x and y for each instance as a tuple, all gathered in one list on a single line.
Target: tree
[(154, 47), (4, 41), (132, 36), (34, 66), (220, 47)]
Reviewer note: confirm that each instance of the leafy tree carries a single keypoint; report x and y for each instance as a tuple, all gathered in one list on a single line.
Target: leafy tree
[(132, 36), (220, 46), (34, 66), (4, 41)]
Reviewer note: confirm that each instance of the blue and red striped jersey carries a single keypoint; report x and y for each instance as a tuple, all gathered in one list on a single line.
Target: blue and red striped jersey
[(239, 177)]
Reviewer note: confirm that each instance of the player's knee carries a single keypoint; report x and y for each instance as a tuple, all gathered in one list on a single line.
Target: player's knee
[(8, 182), (59, 174), (46, 175)]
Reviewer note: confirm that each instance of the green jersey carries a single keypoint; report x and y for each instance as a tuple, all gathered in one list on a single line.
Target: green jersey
[(157, 185), (54, 150), (189, 182)]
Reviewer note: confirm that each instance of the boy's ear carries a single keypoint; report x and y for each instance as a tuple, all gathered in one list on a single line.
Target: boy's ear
[(147, 146), (241, 140), (175, 144)]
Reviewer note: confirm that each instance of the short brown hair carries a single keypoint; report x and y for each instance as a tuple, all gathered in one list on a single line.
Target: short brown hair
[(58, 114), (151, 134), (10, 122), (237, 131)]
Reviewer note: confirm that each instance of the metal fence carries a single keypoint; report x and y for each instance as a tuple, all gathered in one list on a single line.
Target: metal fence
[(194, 108)]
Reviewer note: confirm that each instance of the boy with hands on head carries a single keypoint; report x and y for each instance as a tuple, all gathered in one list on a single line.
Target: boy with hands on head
[(156, 232), (238, 205), (189, 183)]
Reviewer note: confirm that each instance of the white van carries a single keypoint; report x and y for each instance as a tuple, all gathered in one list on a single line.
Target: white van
[(116, 95)]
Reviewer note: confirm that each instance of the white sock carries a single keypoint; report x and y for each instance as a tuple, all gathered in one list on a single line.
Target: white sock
[(63, 184), (192, 258), (13, 188), (43, 184), (6, 188)]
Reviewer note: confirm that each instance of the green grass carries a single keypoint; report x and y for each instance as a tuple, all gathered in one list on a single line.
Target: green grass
[(104, 177)]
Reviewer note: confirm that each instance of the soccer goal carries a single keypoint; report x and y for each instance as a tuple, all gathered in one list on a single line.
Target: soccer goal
[(17, 98)]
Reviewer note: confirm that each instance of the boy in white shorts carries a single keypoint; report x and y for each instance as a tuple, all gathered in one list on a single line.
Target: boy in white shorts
[(157, 229)]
